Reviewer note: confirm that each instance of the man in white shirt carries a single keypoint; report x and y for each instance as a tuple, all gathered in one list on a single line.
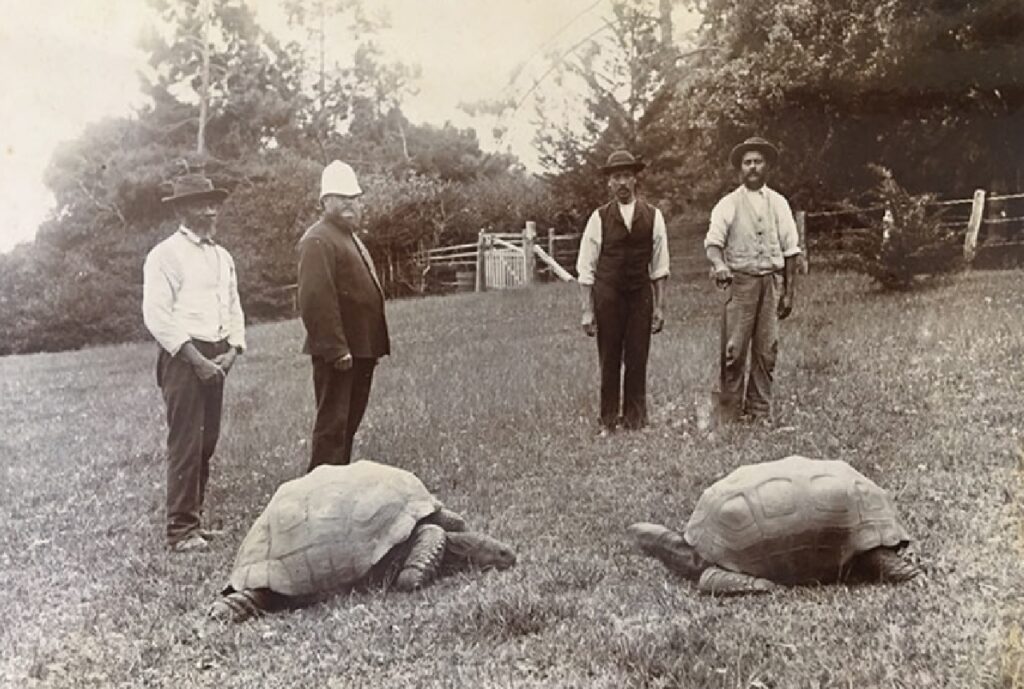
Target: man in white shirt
[(190, 305), (753, 247), (622, 266)]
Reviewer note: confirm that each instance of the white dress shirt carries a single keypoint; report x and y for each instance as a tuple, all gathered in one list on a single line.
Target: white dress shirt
[(590, 245), (190, 290)]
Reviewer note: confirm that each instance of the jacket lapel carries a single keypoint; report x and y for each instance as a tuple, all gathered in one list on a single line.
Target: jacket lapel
[(368, 260)]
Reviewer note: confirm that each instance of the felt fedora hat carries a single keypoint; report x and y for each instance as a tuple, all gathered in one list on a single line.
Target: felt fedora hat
[(194, 187), (622, 160), (754, 143)]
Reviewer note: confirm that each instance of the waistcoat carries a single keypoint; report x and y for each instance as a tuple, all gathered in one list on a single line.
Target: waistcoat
[(625, 257)]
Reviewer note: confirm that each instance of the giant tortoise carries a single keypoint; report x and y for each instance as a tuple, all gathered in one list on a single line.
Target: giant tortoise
[(340, 526), (790, 521)]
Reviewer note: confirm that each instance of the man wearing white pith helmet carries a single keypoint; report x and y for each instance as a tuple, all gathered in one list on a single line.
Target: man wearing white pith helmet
[(342, 307)]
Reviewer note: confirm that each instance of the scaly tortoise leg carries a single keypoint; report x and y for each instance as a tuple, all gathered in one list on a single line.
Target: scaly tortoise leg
[(725, 582), (425, 553), (448, 520), (669, 547), (238, 606), (885, 564)]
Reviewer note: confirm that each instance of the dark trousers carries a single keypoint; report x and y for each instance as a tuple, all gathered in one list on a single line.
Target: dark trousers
[(341, 398), (193, 426), (623, 342)]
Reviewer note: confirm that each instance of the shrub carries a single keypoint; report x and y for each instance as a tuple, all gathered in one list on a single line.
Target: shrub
[(908, 241)]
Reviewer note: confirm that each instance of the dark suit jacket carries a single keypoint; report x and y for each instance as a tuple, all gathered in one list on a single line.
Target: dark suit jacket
[(340, 299)]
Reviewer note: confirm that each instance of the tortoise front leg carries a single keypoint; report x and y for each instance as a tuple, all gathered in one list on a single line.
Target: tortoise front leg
[(669, 547), (725, 582), (238, 606), (885, 564), (448, 520), (425, 553)]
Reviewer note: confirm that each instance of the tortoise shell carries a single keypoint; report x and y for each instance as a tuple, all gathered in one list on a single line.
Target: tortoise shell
[(794, 519), (326, 529)]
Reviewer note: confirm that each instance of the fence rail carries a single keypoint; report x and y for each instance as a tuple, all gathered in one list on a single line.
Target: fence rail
[(971, 225), (501, 260), (495, 256)]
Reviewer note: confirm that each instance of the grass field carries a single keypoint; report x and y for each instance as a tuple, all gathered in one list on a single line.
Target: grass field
[(491, 400)]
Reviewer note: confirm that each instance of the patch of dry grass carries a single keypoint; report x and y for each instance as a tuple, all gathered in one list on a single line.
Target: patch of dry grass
[(491, 399)]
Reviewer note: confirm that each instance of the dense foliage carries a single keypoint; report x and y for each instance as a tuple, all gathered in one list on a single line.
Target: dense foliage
[(908, 240), (272, 124), (932, 90)]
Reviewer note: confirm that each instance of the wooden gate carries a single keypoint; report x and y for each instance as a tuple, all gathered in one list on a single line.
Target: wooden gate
[(504, 268)]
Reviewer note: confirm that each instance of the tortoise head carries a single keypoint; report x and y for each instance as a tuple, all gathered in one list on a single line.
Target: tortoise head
[(470, 548)]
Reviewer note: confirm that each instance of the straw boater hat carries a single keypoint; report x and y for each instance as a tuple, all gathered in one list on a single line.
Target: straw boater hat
[(622, 160), (194, 187), (754, 143)]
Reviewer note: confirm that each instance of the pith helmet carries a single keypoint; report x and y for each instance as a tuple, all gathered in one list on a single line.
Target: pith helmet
[(339, 178)]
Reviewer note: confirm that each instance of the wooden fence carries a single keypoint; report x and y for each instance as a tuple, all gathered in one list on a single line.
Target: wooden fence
[(988, 223), (502, 260)]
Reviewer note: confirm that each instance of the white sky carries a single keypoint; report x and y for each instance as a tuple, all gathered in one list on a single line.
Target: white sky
[(65, 63)]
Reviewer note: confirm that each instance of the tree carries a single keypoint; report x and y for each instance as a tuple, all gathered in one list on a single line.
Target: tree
[(629, 74)]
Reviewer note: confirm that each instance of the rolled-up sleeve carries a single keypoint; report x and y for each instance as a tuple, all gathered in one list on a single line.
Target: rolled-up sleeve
[(721, 218), (160, 281), (789, 238), (590, 250), (236, 318), (659, 254)]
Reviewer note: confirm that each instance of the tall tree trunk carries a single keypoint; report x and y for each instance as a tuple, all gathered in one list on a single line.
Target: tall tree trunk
[(204, 96), (665, 10)]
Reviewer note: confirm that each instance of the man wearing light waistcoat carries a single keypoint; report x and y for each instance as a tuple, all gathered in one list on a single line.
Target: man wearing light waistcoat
[(622, 266), (190, 305), (753, 246)]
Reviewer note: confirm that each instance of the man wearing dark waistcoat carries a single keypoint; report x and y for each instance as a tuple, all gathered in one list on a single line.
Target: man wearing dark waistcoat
[(342, 307), (190, 305), (622, 266), (753, 246)]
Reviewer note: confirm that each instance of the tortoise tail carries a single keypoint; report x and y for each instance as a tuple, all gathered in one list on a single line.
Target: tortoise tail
[(238, 606), (425, 553)]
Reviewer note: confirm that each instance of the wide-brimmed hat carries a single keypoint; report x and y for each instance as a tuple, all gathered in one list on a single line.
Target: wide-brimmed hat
[(622, 160), (339, 178), (754, 143), (194, 187)]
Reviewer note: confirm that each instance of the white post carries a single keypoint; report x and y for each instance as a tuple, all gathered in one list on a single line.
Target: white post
[(481, 262), (529, 260), (974, 224)]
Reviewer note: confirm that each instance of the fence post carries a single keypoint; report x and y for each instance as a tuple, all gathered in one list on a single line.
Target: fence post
[(974, 224), (551, 242), (529, 260), (801, 231), (481, 263)]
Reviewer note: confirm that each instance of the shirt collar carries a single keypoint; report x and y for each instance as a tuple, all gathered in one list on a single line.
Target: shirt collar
[(194, 238)]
